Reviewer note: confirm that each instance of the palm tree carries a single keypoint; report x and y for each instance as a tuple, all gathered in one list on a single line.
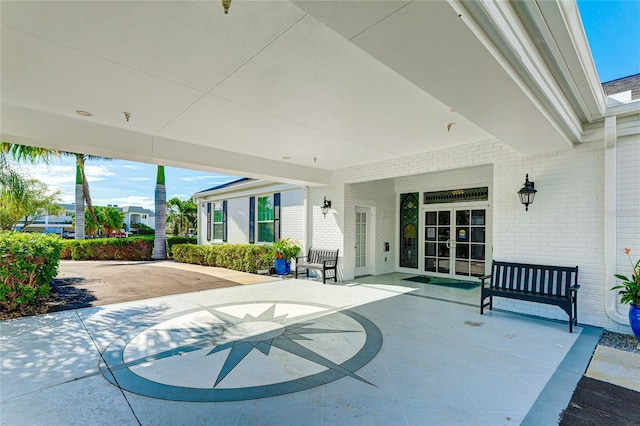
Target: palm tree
[(182, 214), (33, 154), (10, 180), (160, 239)]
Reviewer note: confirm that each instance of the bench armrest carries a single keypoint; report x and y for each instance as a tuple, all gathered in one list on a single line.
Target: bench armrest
[(483, 278), (574, 287), (300, 257), (330, 261)]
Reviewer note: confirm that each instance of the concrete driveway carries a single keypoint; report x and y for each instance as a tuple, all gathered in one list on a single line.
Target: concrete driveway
[(81, 284), (380, 351)]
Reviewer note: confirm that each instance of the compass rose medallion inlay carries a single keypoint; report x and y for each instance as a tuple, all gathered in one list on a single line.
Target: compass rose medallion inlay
[(242, 351)]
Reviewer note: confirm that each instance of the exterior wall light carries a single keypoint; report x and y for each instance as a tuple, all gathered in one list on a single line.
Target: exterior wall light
[(527, 193), (326, 205)]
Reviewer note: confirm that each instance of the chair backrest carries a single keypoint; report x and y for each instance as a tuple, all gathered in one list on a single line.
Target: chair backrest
[(320, 255), (543, 279)]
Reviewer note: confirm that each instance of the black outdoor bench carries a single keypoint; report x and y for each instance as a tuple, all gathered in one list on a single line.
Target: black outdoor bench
[(321, 260), (552, 285)]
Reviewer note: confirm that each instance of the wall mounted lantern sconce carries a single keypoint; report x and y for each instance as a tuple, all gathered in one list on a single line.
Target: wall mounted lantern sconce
[(326, 206), (527, 193)]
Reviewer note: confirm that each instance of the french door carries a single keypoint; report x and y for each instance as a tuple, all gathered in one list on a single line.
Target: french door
[(455, 241), (362, 250)]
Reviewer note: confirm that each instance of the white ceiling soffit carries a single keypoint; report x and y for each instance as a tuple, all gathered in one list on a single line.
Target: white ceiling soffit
[(440, 47), (268, 91)]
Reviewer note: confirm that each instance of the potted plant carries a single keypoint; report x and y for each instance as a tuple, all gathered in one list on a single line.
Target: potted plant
[(285, 250), (630, 292)]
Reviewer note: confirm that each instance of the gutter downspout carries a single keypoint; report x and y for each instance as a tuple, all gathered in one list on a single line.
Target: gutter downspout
[(610, 224)]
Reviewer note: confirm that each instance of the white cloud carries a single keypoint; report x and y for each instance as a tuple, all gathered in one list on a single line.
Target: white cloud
[(131, 167), (138, 179), (57, 177), (96, 173)]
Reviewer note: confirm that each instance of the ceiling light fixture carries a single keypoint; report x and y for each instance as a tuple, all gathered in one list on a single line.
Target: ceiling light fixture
[(449, 125), (127, 115), (84, 113), (226, 4)]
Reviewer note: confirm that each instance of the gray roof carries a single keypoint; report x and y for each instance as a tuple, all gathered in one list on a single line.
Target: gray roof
[(226, 185), (624, 84)]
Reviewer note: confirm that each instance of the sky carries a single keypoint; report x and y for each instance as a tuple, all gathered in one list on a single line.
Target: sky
[(613, 32), (123, 183), (612, 28)]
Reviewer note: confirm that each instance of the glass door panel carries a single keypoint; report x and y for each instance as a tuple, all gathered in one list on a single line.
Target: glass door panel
[(455, 242), (470, 242), (437, 248)]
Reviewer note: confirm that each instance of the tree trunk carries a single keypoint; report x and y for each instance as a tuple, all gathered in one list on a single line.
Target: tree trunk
[(160, 242), (79, 228)]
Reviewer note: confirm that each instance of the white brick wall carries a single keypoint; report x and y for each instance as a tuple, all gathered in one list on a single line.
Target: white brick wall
[(328, 231), (293, 216), (379, 197), (564, 226), (628, 208)]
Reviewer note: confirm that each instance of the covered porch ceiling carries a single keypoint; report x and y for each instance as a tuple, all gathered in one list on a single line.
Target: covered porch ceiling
[(289, 91)]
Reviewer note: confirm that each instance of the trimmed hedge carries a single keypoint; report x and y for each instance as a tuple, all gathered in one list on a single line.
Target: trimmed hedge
[(109, 249), (130, 248), (28, 264), (239, 257)]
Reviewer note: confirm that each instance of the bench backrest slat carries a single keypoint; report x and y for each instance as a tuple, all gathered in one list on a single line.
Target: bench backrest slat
[(542, 279), (320, 255)]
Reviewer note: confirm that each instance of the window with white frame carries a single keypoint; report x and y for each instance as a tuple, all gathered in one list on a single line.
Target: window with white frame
[(218, 221), (265, 215)]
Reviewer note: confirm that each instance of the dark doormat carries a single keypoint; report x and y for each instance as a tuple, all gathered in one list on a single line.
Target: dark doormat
[(464, 285), (599, 403)]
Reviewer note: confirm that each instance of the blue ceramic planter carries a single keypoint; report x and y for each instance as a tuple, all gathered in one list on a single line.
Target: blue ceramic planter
[(634, 320), (282, 266)]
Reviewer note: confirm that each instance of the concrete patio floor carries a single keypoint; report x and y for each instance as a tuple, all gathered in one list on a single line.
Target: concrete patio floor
[(378, 350)]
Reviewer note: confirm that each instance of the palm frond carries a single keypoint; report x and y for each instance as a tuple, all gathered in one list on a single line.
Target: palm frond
[(31, 154)]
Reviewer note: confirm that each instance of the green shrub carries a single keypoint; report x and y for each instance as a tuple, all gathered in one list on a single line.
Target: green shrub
[(65, 253), (112, 249), (133, 248), (189, 253), (172, 241), (239, 257), (28, 263)]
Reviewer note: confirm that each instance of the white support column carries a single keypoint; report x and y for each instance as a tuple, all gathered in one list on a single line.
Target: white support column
[(610, 223)]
